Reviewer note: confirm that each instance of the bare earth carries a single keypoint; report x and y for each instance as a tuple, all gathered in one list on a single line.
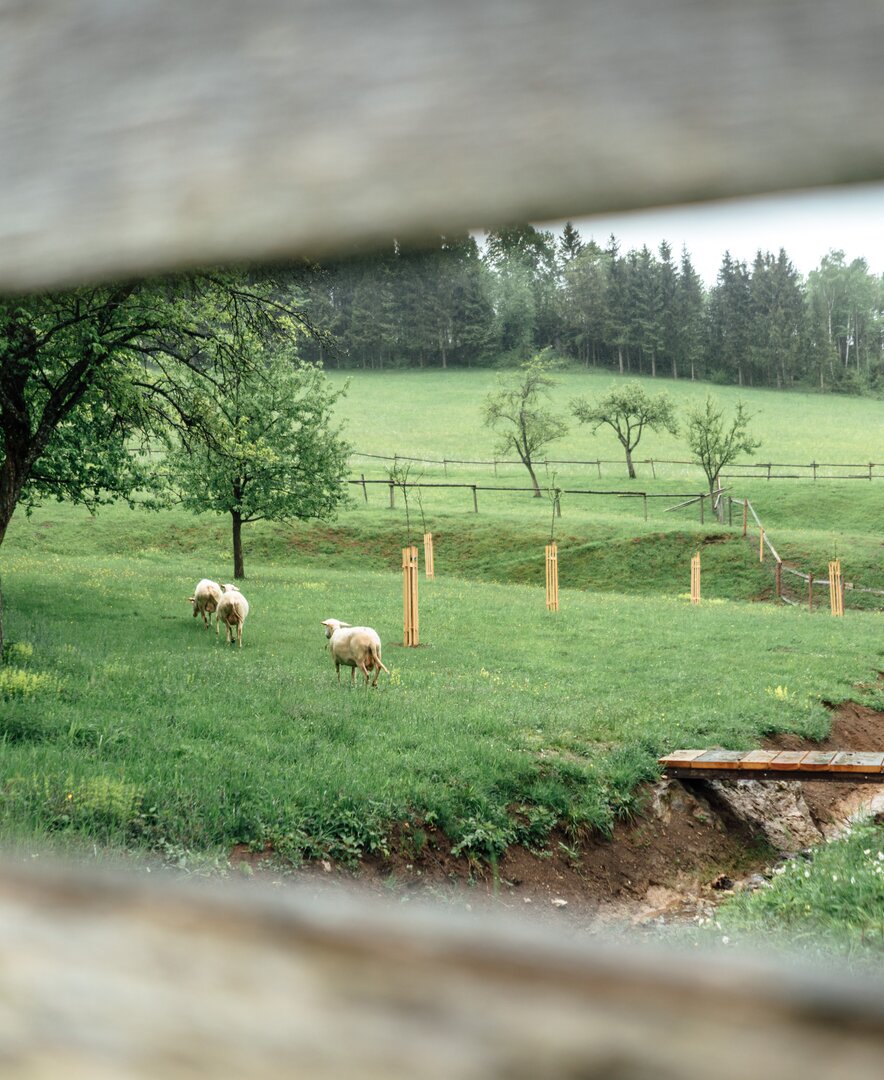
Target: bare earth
[(672, 863)]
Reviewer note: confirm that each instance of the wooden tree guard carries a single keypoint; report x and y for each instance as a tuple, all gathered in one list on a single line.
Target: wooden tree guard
[(411, 636), (761, 546), (836, 594), (429, 568), (552, 577), (695, 579)]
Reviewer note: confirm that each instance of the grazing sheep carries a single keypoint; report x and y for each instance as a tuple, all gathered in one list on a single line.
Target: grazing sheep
[(354, 647), (232, 610), (205, 600)]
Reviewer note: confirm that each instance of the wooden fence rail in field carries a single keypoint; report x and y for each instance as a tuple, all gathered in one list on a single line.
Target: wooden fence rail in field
[(780, 568), (766, 468), (132, 977)]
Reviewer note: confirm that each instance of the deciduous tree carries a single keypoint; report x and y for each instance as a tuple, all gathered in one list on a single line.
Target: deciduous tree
[(628, 409), (516, 411)]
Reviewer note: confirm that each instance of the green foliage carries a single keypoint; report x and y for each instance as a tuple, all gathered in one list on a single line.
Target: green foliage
[(16, 682), (267, 450), (831, 903)]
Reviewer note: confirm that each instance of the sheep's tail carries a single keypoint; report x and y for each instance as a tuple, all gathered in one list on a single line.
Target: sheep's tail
[(376, 657)]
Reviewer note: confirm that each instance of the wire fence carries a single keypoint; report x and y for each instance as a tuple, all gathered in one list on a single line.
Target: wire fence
[(762, 470), (780, 567), (552, 493)]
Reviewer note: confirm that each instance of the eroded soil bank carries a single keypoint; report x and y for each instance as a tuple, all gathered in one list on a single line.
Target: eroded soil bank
[(675, 861)]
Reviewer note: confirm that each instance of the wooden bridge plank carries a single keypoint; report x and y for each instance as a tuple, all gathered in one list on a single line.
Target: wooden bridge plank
[(856, 761), (681, 757), (719, 759), (758, 759), (788, 759), (818, 760)]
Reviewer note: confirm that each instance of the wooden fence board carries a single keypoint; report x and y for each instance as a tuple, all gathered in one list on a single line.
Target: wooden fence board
[(137, 978), (171, 134)]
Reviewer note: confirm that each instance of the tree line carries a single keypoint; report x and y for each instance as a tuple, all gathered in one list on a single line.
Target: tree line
[(456, 303)]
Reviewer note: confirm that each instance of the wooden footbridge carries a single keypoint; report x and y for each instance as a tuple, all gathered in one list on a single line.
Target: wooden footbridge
[(844, 766)]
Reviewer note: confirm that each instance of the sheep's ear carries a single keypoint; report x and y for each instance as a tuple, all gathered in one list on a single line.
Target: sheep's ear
[(347, 624), (191, 599)]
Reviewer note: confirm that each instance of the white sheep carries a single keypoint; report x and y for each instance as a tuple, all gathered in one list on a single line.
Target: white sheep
[(354, 647), (232, 610), (205, 600)]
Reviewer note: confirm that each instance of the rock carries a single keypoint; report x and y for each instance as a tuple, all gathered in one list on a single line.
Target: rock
[(776, 807)]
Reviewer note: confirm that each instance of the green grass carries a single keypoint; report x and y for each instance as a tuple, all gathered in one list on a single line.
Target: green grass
[(831, 904), (133, 726)]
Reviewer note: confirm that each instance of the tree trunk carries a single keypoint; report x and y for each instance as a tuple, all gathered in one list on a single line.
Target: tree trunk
[(537, 492), (238, 569), (629, 464)]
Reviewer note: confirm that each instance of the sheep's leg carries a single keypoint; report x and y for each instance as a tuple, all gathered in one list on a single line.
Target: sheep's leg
[(239, 634), (338, 670), (352, 675)]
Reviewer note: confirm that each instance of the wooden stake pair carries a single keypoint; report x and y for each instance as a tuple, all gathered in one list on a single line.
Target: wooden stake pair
[(411, 636), (836, 590), (552, 577), (695, 579)]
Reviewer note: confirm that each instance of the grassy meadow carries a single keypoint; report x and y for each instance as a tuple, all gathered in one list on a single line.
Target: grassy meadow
[(125, 724)]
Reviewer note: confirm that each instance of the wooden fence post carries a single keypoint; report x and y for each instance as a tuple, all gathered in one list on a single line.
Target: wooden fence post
[(552, 577), (810, 591), (558, 502), (836, 594), (702, 508), (429, 567), (779, 579), (745, 516), (761, 546), (392, 501), (475, 501), (411, 635), (695, 579), (364, 488)]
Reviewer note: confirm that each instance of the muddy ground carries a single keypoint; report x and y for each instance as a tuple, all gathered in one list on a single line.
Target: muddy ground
[(672, 863)]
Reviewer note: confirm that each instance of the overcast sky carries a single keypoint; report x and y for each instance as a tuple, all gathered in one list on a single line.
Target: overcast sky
[(807, 224)]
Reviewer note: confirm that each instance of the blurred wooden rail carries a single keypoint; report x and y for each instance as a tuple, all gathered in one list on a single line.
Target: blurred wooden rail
[(149, 136), (113, 977), (142, 135)]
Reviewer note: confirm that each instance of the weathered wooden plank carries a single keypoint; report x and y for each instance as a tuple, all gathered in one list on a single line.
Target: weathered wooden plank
[(855, 761), (758, 759), (817, 760), (719, 759), (681, 757), (788, 759), (125, 977), (146, 136)]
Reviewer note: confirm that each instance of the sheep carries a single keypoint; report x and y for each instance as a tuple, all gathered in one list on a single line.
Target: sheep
[(354, 647), (232, 610), (205, 600)]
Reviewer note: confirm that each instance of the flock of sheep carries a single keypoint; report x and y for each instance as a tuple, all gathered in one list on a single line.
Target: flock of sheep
[(351, 646)]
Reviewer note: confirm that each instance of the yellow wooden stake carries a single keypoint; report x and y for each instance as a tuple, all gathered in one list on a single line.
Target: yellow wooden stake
[(429, 568), (552, 577), (836, 595), (761, 546), (411, 635), (695, 579)]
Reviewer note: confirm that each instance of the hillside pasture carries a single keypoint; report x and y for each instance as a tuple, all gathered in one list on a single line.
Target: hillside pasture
[(125, 723), (139, 728)]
